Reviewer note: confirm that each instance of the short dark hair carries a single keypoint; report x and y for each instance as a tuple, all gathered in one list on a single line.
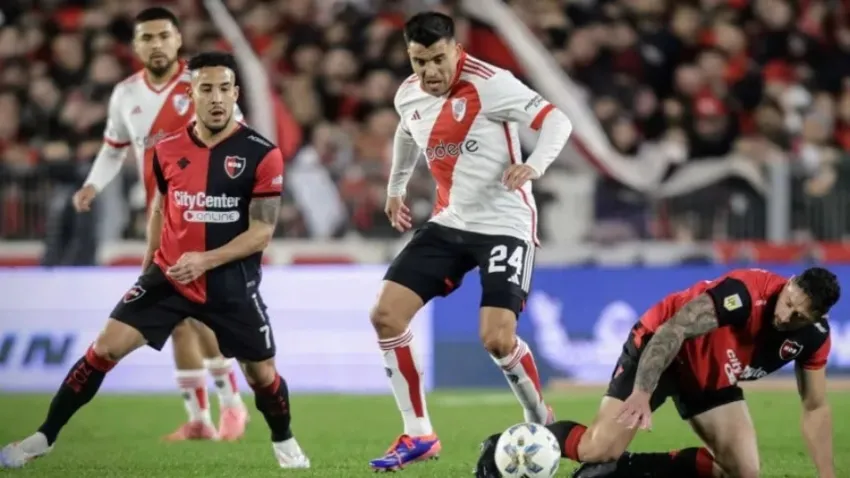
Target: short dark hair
[(157, 13), (212, 58), (822, 288), (427, 28)]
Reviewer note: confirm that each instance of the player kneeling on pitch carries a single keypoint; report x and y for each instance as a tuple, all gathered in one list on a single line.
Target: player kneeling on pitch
[(214, 212), (694, 347)]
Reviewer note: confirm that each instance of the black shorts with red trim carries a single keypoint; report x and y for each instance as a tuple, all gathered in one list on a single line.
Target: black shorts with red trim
[(153, 306), (689, 403), (437, 258)]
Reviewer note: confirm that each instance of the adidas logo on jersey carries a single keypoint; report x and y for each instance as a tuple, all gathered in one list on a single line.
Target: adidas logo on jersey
[(415, 116)]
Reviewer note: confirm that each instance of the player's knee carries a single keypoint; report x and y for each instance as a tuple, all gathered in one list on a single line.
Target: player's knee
[(498, 342), (116, 340), (599, 445), (260, 374), (394, 309), (747, 471), (738, 467), (596, 451), (386, 324), (184, 331), (498, 331)]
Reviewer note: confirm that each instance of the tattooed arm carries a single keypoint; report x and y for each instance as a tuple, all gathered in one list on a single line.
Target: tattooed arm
[(263, 213), (697, 317)]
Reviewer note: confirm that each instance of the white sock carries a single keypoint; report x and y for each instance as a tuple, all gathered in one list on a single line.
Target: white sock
[(224, 376), (35, 444), (521, 371), (405, 376), (289, 446), (193, 386)]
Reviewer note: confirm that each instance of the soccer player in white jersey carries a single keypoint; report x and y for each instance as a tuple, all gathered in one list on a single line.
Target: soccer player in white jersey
[(143, 109), (464, 114)]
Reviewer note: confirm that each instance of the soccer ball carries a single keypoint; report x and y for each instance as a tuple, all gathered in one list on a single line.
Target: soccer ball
[(528, 450)]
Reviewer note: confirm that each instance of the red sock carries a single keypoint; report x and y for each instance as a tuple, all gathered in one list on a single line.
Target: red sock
[(569, 435), (690, 462)]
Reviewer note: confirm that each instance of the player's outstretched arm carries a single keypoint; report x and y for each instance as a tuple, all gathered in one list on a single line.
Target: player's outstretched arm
[(154, 229), (817, 418), (263, 213), (697, 317)]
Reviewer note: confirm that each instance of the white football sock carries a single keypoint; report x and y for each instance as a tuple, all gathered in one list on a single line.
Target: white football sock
[(193, 386), (521, 372), (35, 444), (224, 375), (406, 380)]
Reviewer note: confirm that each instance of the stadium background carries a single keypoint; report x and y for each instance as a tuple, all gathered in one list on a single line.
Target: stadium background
[(709, 134)]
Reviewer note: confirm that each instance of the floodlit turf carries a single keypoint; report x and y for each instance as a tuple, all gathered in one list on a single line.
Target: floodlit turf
[(118, 436)]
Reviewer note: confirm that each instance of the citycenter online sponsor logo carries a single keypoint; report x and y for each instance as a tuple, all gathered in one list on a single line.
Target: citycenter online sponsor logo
[(204, 208), (450, 150)]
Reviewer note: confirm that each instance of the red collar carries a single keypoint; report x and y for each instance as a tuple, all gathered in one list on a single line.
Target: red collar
[(461, 61)]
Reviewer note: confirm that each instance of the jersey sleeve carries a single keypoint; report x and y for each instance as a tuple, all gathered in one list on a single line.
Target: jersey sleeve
[(505, 98), (268, 180), (399, 95), (116, 133), (817, 360), (733, 302), (161, 183)]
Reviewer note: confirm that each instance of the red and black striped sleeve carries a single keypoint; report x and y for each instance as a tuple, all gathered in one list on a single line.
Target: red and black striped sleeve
[(268, 180)]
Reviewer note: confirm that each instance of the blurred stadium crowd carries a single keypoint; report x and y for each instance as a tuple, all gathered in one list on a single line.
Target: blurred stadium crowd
[(768, 79)]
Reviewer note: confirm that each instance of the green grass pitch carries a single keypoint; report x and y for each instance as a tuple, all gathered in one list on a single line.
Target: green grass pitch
[(118, 436)]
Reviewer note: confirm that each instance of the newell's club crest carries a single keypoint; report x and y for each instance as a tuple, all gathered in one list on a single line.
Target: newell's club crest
[(790, 349), (181, 104), (135, 293), (234, 165), (459, 108)]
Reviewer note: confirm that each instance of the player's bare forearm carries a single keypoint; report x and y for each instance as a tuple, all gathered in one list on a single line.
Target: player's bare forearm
[(817, 431), (816, 421), (263, 213), (696, 318), (154, 230)]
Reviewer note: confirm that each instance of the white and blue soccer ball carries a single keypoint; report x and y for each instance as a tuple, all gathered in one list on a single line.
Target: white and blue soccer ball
[(528, 450)]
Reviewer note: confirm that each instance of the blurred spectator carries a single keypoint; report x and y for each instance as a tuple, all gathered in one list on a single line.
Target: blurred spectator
[(766, 79)]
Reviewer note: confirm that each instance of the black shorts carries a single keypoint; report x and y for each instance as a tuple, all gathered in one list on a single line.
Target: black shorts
[(689, 403), (154, 307), (435, 260)]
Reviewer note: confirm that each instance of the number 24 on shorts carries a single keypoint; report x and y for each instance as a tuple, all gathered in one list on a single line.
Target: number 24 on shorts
[(519, 260)]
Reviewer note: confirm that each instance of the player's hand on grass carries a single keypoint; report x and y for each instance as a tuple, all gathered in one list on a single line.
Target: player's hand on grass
[(189, 267), (636, 412), (518, 174), (398, 213), (84, 197)]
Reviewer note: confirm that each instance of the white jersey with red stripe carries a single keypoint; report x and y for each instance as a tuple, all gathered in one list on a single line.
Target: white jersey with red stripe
[(140, 114), (470, 137)]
